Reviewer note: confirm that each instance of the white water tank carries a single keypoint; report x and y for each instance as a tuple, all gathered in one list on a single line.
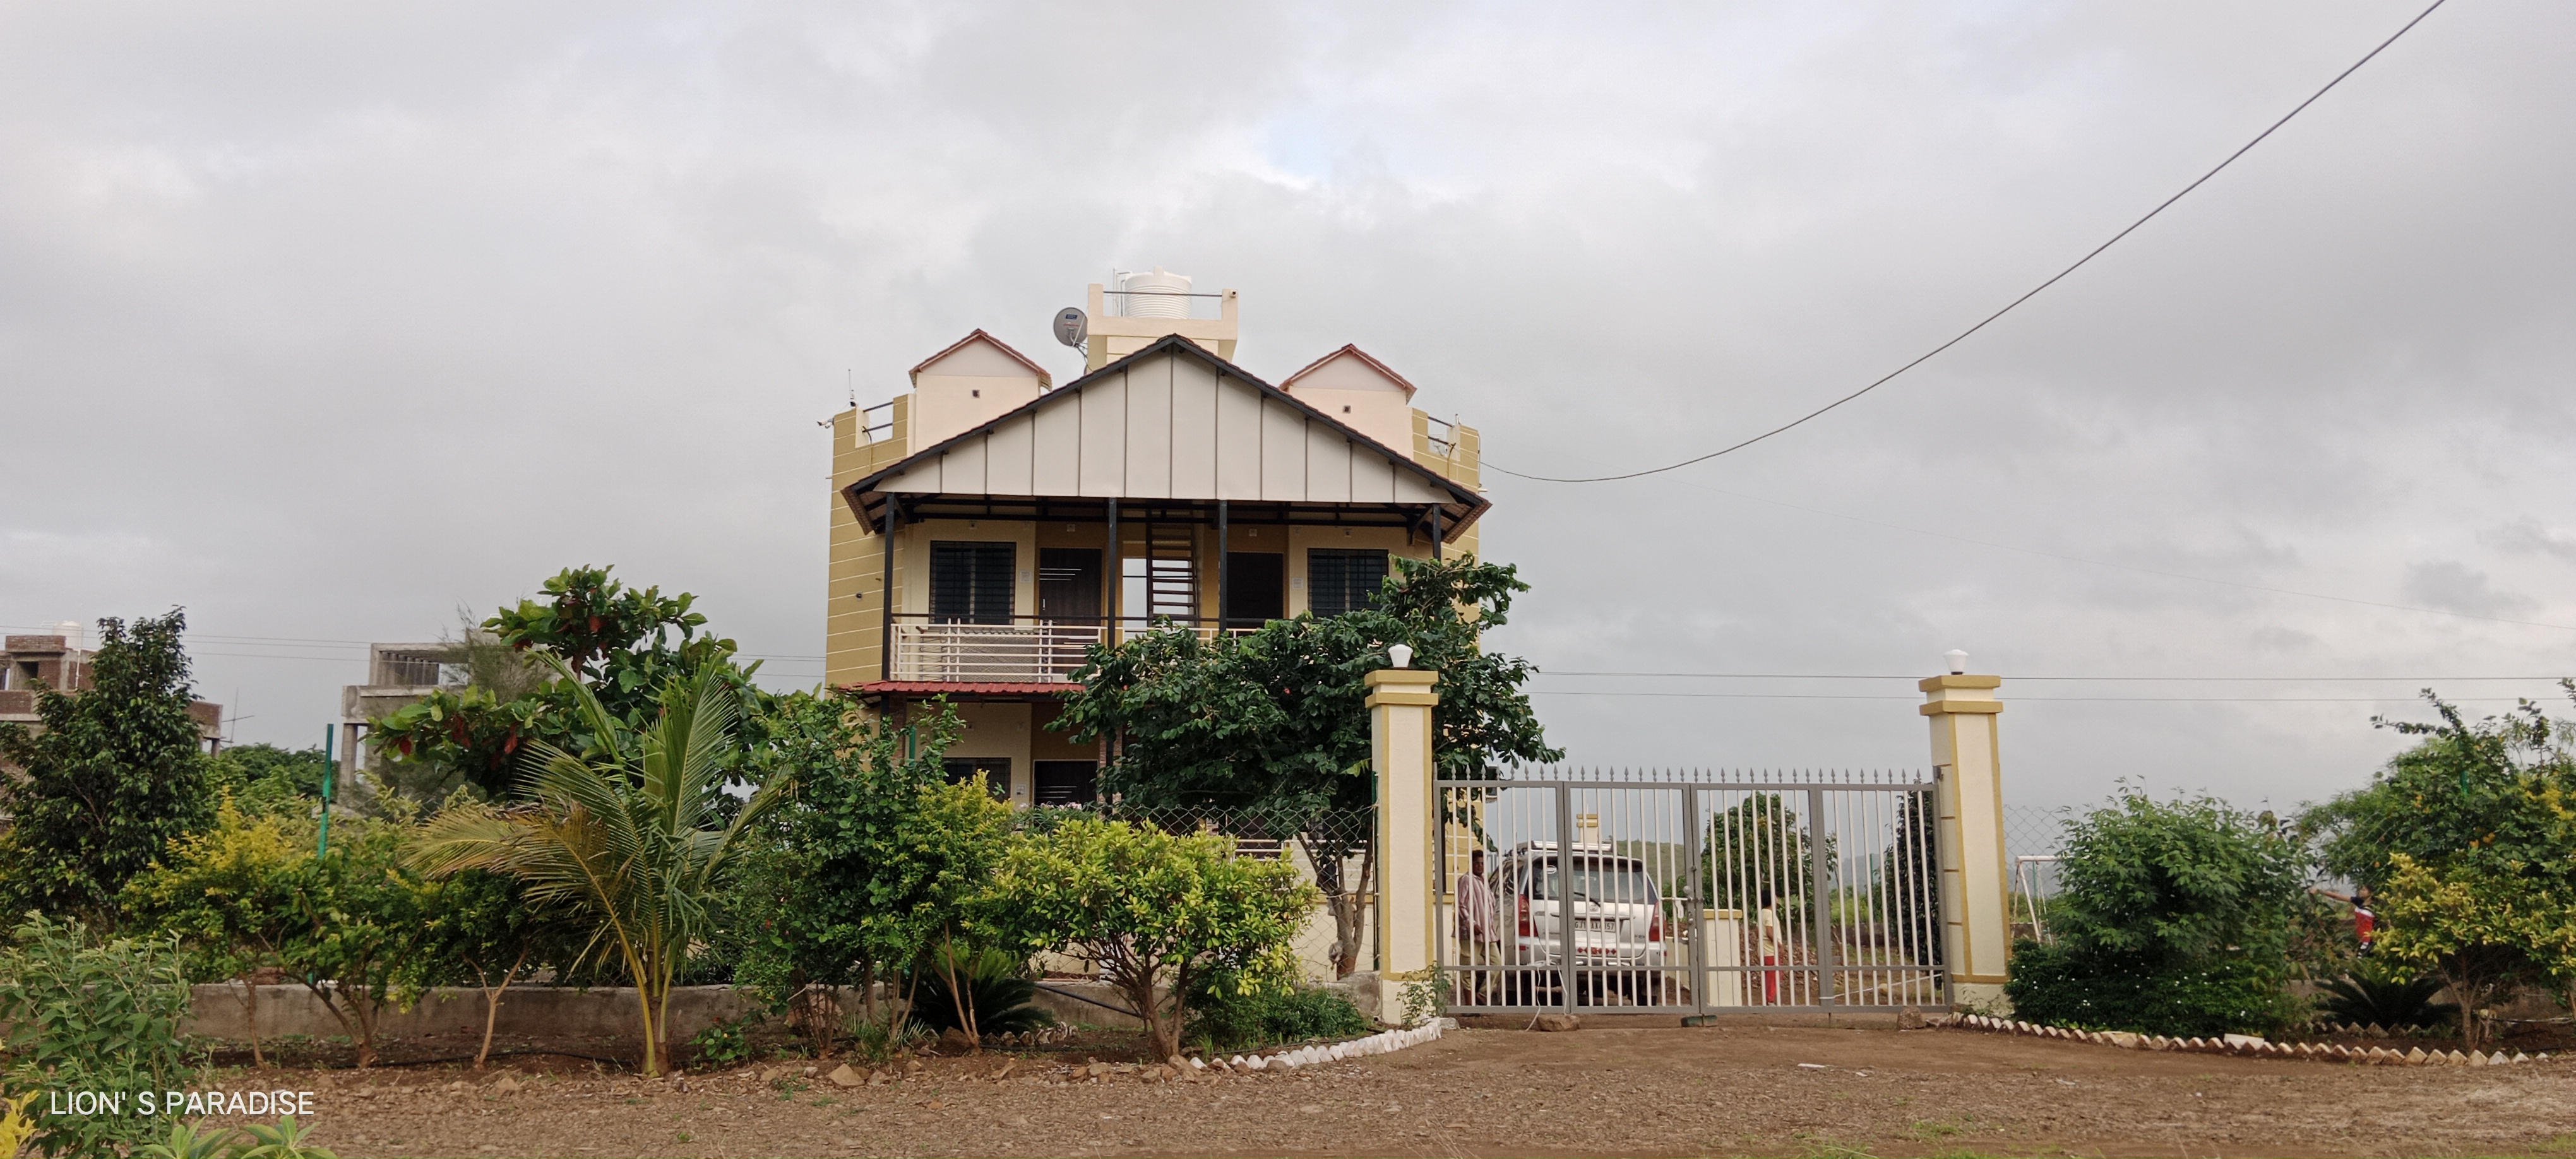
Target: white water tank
[(1171, 302)]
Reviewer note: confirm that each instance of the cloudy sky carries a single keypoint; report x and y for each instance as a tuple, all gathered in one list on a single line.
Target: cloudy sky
[(326, 320)]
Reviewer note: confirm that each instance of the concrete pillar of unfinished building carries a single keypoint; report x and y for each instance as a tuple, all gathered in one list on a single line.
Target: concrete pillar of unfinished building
[(1968, 764), (1400, 702)]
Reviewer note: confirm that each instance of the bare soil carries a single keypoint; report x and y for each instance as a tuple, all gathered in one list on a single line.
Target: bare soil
[(1642, 1091)]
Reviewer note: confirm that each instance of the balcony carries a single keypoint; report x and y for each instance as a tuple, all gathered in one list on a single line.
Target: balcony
[(1026, 650)]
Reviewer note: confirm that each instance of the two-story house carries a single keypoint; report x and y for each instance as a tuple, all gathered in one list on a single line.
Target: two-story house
[(991, 524)]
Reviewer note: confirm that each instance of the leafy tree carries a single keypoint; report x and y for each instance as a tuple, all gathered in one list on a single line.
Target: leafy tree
[(813, 895), (251, 892), (626, 838), (1758, 849), (82, 1015), (2483, 931), (871, 861), (2468, 839), (361, 911), (2171, 919), (262, 778), (1276, 721), (1909, 884), (224, 894), (1156, 912), (615, 644), (113, 775), (481, 929)]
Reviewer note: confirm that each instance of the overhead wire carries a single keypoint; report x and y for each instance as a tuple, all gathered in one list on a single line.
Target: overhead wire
[(1989, 319)]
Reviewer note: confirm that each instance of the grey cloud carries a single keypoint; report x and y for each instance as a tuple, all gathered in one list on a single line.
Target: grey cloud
[(323, 319), (2528, 535), (2457, 587)]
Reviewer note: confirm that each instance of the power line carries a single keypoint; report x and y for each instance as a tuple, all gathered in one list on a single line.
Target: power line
[(2008, 307)]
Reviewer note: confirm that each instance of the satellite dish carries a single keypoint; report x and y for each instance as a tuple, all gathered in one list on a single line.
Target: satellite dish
[(1072, 326)]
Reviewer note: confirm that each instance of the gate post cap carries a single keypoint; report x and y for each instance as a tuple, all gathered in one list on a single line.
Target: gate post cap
[(1400, 677), (1401, 686)]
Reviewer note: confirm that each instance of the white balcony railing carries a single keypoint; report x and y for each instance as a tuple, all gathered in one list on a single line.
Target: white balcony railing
[(1021, 652)]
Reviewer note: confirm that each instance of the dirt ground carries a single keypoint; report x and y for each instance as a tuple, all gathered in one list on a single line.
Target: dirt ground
[(1716, 1090)]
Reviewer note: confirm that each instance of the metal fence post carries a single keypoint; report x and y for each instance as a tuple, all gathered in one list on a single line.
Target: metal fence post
[(1696, 903), (1565, 896), (1820, 905)]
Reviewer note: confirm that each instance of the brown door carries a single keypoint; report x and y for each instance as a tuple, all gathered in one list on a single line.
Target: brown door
[(1256, 588), (1069, 583)]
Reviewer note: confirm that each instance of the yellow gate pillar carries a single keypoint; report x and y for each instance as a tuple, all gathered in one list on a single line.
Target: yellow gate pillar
[(1400, 702), (1968, 764)]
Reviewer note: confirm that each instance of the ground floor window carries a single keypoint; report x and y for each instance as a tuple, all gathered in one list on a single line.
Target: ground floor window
[(1066, 782), (996, 770)]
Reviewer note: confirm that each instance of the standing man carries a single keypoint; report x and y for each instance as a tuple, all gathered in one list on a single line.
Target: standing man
[(1476, 941)]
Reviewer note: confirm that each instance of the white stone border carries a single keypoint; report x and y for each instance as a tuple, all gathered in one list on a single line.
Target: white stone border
[(1385, 1042), (2249, 1045)]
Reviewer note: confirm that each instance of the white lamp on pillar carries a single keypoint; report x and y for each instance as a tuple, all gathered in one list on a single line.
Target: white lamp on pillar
[(1402, 655), (1958, 661)]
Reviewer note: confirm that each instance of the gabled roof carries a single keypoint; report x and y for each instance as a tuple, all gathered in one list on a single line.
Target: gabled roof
[(1350, 350), (1299, 454), (1044, 379)]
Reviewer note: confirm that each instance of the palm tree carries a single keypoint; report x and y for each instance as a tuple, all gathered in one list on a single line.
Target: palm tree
[(622, 837)]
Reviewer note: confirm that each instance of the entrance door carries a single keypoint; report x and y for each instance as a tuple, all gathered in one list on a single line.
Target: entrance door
[(1069, 583), (1256, 588), (1065, 782)]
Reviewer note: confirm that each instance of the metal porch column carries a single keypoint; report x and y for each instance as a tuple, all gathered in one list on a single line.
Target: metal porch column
[(885, 642)]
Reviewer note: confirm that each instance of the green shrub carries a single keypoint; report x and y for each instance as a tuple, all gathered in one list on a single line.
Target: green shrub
[(286, 1140), (195, 1141), (727, 1042), (2174, 919), (1230, 1021), (91, 1017), (2378, 995), (997, 986), (2090, 988)]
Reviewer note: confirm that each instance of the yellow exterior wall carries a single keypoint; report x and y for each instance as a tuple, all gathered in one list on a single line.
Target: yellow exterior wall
[(999, 729), (1463, 466), (853, 617)]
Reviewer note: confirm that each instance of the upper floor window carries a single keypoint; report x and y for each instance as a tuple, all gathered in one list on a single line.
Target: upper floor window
[(971, 582), (1339, 581)]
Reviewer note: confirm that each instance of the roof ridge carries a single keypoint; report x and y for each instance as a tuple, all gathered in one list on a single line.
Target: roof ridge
[(1045, 380), (1353, 349)]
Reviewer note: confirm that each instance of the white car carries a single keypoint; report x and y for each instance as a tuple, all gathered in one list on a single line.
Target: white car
[(1616, 909)]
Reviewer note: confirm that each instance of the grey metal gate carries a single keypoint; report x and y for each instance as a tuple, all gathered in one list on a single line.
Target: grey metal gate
[(1688, 891)]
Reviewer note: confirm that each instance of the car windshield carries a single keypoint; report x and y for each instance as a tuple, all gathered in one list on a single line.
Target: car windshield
[(1595, 880)]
